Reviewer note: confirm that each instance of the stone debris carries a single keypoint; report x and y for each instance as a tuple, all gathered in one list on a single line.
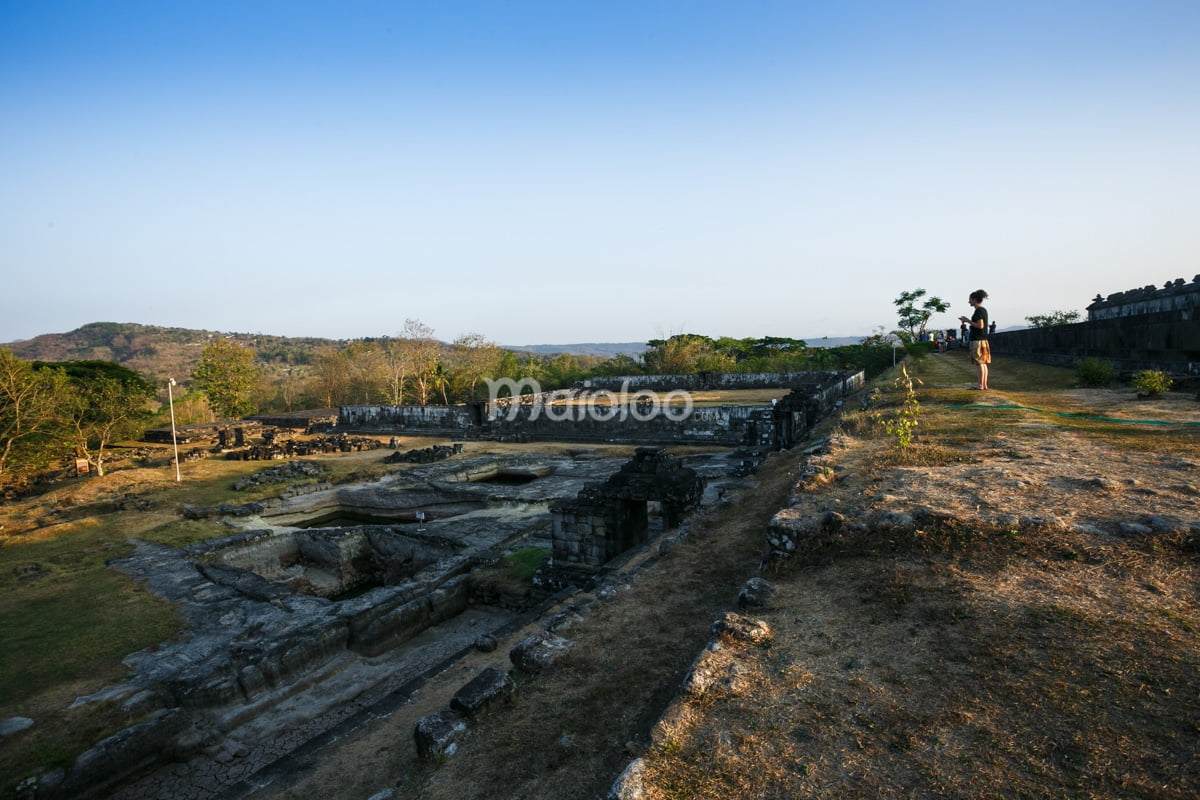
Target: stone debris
[(435, 733), (538, 651), (283, 473), (756, 593), (425, 455)]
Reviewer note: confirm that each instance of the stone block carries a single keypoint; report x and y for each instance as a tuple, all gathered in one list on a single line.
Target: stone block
[(537, 652), (435, 734), (481, 691)]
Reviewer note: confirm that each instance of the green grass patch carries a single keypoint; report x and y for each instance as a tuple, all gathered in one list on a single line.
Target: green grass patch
[(62, 628), (519, 567)]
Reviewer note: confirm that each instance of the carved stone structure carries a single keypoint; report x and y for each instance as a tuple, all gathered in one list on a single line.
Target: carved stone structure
[(605, 520), (1174, 295)]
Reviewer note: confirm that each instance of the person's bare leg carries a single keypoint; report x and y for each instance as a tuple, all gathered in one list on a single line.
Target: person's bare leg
[(983, 375)]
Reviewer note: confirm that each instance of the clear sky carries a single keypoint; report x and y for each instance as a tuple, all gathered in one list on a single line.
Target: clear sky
[(571, 171)]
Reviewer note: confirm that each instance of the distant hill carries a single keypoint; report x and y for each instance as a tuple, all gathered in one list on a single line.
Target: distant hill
[(156, 352), (602, 349), (833, 341)]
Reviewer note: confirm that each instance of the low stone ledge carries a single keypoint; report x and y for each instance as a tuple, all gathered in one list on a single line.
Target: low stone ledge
[(481, 691), (119, 755)]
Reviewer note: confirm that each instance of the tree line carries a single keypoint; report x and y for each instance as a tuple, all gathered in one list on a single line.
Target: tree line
[(50, 411)]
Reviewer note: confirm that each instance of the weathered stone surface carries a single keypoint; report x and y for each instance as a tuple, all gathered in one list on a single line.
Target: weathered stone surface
[(122, 752), (537, 652), (486, 687), (741, 628), (435, 733), (1134, 529), (15, 725), (630, 785), (756, 593)]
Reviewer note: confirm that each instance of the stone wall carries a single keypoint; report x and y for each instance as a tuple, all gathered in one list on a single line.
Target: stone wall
[(417, 420), (1163, 340), (604, 520), (711, 381), (813, 394)]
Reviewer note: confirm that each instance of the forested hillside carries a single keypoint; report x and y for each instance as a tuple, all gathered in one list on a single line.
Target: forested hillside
[(156, 352)]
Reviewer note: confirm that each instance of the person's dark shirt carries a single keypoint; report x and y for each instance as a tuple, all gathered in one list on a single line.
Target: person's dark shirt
[(976, 331)]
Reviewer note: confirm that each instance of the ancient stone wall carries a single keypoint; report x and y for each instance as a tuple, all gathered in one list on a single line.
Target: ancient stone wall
[(1167, 340), (711, 381), (589, 417), (410, 419)]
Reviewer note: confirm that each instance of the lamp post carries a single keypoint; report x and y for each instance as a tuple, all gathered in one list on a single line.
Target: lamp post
[(174, 440)]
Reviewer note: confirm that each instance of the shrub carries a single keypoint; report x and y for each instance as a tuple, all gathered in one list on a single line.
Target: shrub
[(1094, 372), (1151, 382), (918, 350)]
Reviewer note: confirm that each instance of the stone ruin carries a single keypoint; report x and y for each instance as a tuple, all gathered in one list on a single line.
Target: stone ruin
[(282, 614), (607, 519), (295, 611)]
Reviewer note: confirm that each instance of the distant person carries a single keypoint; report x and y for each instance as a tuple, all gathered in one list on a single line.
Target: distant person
[(965, 333), (981, 351), (992, 328)]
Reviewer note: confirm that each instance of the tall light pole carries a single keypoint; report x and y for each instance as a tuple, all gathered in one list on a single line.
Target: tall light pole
[(174, 440)]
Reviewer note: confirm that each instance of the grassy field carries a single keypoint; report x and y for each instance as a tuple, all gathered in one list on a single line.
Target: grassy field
[(67, 620)]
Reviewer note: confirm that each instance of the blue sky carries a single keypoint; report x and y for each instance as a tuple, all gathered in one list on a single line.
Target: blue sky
[(588, 171)]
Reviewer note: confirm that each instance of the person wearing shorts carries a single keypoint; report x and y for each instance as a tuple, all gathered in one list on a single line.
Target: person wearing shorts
[(981, 351)]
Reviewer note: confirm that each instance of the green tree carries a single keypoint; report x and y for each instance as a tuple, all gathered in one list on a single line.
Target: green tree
[(103, 403), (1053, 318), (439, 381), (915, 309), (30, 416), (682, 354), (227, 374)]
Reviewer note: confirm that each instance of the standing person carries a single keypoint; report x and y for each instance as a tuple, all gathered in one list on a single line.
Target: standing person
[(981, 351)]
